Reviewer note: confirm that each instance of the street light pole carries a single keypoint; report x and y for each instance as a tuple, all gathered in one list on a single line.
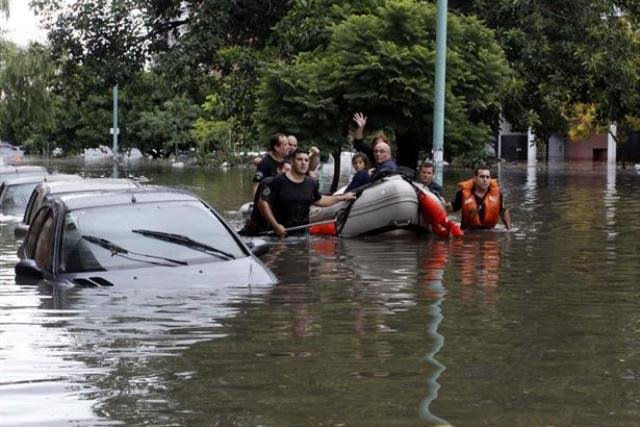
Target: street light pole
[(438, 102), (115, 131)]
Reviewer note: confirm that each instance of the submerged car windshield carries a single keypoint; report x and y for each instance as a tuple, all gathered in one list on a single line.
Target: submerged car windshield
[(16, 198), (114, 224)]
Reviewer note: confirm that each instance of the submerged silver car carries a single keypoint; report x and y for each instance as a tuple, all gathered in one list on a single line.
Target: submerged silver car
[(15, 192), (7, 172), (47, 190), (10, 154), (142, 238)]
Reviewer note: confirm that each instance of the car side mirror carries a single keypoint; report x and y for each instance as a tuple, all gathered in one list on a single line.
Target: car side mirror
[(29, 268), (258, 247)]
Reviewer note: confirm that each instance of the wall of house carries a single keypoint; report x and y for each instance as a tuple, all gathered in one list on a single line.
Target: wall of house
[(556, 148), (514, 146), (592, 149), (629, 151)]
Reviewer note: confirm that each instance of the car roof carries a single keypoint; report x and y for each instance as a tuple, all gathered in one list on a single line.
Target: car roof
[(89, 184), (14, 170), (148, 194), (27, 179)]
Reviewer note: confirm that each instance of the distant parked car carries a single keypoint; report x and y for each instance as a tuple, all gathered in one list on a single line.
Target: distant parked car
[(158, 238), (15, 192), (10, 154), (46, 190), (7, 172)]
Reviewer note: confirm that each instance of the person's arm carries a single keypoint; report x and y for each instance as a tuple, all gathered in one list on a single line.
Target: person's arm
[(325, 201), (456, 205), (358, 136), (314, 162), (505, 215), (506, 218), (259, 176), (267, 214), (361, 121)]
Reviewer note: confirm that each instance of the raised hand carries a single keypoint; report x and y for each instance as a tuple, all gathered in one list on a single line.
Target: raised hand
[(360, 119)]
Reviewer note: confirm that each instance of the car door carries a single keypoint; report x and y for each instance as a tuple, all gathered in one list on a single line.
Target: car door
[(40, 241)]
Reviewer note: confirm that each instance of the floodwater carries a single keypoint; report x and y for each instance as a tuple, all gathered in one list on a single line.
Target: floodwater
[(539, 326)]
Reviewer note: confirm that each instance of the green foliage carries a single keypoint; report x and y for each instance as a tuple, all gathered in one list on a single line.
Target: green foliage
[(27, 105), (106, 37), (167, 127), (382, 63), (565, 53)]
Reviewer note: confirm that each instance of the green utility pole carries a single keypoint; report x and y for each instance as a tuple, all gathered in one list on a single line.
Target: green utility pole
[(438, 102), (115, 131)]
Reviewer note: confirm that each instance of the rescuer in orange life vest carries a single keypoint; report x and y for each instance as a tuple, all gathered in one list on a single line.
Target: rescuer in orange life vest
[(481, 202)]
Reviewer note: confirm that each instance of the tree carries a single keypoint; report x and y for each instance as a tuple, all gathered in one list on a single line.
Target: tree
[(167, 128), (565, 54), (107, 37), (382, 63), (27, 106)]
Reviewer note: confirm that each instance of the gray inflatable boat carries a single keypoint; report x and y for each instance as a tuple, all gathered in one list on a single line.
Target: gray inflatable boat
[(388, 205)]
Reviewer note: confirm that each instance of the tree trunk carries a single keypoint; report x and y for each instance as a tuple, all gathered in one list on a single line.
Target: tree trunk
[(336, 171), (408, 149)]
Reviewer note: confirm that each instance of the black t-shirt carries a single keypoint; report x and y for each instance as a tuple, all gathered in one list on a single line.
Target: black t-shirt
[(266, 168), (290, 201), (256, 220)]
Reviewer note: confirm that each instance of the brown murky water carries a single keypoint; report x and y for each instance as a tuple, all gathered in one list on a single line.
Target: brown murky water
[(534, 327)]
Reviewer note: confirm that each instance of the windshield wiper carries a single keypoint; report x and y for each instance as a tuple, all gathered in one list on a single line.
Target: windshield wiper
[(119, 250), (179, 239)]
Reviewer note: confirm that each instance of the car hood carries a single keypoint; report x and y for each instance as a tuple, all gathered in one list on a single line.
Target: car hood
[(247, 271)]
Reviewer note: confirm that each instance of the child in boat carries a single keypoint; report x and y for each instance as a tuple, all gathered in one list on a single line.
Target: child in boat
[(360, 163)]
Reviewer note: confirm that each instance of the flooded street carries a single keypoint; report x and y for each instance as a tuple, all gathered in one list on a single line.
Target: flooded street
[(533, 327)]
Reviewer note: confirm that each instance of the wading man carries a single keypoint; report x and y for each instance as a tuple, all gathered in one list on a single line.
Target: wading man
[(286, 201), (481, 202)]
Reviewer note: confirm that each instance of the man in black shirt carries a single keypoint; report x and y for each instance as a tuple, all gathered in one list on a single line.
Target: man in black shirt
[(285, 202), (279, 148), (256, 223)]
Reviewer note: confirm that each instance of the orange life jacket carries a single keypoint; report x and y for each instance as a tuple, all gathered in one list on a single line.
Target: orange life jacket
[(491, 205)]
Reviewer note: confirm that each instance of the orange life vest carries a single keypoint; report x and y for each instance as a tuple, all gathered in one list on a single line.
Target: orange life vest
[(491, 205)]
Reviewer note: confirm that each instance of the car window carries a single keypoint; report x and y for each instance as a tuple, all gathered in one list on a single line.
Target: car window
[(16, 198), (44, 243), (31, 207), (34, 231), (115, 224)]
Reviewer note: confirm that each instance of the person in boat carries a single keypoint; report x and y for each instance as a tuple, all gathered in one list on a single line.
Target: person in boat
[(425, 179), (268, 166), (360, 164), (380, 149), (256, 223), (481, 202), (286, 200)]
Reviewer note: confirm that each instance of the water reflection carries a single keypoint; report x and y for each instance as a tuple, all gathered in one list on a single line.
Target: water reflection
[(477, 261), (434, 261), (358, 332)]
